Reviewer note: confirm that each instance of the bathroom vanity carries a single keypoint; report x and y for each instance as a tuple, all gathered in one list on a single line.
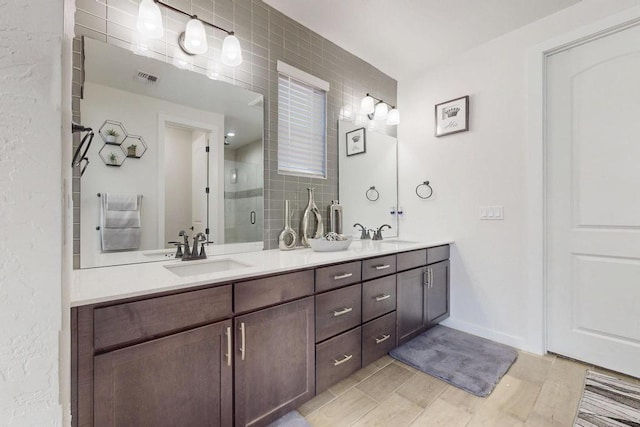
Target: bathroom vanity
[(244, 345)]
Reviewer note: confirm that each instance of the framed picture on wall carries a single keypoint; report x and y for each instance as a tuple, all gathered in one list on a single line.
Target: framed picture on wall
[(356, 142), (452, 116)]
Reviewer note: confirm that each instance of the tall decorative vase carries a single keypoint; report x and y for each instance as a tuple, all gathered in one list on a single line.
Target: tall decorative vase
[(311, 210), (288, 236)]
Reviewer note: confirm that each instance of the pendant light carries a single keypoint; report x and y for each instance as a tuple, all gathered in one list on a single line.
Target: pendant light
[(231, 51), (366, 106), (149, 22), (393, 118), (194, 39), (381, 111)]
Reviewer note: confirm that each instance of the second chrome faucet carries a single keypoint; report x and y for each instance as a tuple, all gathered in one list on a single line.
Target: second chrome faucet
[(188, 254)]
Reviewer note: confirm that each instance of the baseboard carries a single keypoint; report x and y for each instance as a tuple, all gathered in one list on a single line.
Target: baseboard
[(490, 334)]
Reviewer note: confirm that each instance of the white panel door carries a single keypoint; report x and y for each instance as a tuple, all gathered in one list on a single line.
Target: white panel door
[(593, 201)]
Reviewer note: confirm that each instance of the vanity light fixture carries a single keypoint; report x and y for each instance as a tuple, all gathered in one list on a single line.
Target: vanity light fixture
[(193, 40), (379, 110)]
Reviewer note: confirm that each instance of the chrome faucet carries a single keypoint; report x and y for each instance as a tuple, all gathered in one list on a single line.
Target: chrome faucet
[(190, 254), (377, 235), (200, 237), (185, 237), (364, 233)]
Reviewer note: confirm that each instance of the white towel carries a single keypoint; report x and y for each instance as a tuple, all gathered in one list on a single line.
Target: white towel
[(114, 239), (121, 219), (120, 227), (121, 202)]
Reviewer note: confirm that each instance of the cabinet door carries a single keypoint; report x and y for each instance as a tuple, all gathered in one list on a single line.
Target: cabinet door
[(411, 290), (182, 379), (275, 361), (438, 293)]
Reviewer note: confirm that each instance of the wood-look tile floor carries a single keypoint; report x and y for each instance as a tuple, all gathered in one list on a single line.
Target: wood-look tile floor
[(536, 391)]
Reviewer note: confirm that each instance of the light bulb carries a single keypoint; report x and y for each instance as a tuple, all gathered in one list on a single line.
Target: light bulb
[(149, 22), (366, 106), (195, 37), (381, 111), (393, 118), (231, 51)]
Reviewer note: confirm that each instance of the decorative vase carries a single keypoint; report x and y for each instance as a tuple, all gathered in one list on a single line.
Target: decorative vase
[(131, 151), (288, 236), (111, 139), (311, 210)]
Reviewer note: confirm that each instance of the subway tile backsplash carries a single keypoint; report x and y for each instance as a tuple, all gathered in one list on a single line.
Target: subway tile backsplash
[(266, 36)]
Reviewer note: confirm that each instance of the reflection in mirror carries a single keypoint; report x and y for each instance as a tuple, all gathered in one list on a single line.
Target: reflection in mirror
[(192, 173), (367, 159)]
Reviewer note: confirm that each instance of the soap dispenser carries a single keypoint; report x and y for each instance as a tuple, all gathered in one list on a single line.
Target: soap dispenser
[(335, 215)]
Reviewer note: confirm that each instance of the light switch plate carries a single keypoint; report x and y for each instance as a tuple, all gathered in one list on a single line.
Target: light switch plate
[(492, 212)]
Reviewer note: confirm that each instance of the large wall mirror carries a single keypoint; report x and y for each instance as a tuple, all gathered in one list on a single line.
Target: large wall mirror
[(367, 178), (197, 165)]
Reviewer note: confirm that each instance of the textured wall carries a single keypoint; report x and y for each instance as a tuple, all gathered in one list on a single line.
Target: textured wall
[(266, 36), (30, 211)]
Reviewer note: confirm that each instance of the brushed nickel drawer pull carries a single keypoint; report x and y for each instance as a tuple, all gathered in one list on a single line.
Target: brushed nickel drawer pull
[(383, 339), (345, 310), (342, 276), (382, 297), (228, 334), (382, 267), (345, 359), (242, 347)]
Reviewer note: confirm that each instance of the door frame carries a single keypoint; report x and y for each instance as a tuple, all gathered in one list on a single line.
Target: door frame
[(536, 165), (212, 134)]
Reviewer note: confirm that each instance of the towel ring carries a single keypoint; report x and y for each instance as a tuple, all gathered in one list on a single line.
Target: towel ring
[(372, 194), (426, 192)]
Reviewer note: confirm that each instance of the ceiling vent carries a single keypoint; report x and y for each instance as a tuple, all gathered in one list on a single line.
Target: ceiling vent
[(146, 78)]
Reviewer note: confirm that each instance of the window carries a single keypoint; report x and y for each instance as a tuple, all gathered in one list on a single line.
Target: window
[(302, 123)]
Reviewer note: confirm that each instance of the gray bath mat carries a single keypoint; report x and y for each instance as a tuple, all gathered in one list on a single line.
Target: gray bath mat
[(465, 361), (290, 419)]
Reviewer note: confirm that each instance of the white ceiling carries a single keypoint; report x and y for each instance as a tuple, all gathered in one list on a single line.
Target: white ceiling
[(402, 37)]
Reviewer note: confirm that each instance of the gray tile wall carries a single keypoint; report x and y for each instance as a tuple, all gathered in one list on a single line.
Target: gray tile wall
[(266, 36)]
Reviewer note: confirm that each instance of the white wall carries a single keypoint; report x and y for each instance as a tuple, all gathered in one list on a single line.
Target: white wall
[(490, 293), (140, 115), (31, 306)]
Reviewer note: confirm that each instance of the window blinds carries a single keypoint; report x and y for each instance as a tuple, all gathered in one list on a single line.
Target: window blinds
[(302, 148)]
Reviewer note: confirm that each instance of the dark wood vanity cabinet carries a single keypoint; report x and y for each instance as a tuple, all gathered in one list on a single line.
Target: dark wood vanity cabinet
[(423, 293), (246, 353), (274, 362), (158, 361), (181, 379)]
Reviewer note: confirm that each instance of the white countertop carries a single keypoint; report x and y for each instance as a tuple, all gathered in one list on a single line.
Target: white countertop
[(103, 284)]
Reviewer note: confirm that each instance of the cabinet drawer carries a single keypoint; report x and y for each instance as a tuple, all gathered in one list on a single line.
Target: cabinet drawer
[(378, 297), (378, 267), (437, 254), (337, 311), (338, 275), (139, 320), (378, 338), (254, 294), (338, 358), (413, 259)]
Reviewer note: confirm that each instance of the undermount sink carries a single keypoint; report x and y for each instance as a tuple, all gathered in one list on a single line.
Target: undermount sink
[(193, 268)]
